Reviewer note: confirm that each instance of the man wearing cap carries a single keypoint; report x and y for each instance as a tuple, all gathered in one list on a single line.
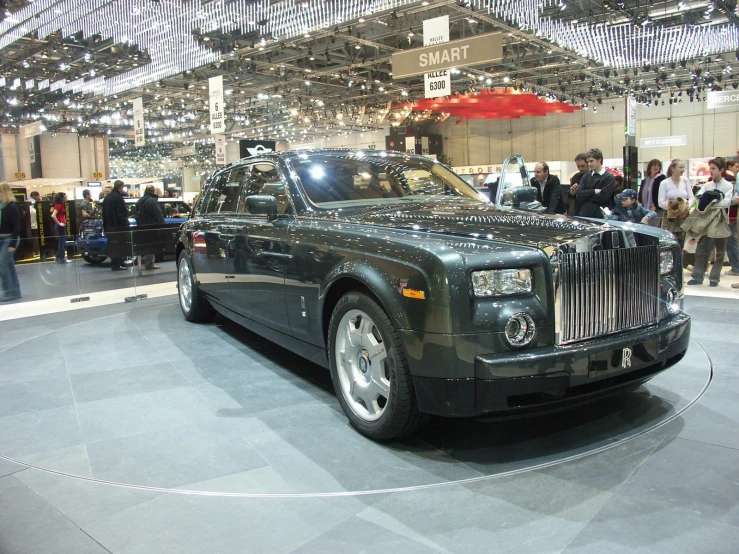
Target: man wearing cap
[(628, 209)]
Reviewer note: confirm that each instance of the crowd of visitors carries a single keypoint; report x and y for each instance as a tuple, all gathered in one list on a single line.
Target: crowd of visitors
[(704, 221)]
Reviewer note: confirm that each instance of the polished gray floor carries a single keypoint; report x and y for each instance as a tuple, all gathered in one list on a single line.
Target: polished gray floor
[(220, 441), (46, 280)]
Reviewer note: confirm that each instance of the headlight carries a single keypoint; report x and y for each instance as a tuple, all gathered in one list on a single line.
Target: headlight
[(666, 262), (501, 282)]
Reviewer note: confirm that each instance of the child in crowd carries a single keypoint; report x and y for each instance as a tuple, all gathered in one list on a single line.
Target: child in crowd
[(629, 210)]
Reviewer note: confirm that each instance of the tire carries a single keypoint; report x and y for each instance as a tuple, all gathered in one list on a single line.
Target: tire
[(193, 304), (369, 370), (94, 259)]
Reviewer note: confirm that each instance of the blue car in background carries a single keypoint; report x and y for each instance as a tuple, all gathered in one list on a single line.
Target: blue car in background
[(93, 244)]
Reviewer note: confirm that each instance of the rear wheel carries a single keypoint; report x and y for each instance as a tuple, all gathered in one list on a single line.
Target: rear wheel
[(94, 259), (194, 306), (369, 370)]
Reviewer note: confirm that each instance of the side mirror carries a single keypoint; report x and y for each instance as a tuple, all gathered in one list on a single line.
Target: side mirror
[(262, 204)]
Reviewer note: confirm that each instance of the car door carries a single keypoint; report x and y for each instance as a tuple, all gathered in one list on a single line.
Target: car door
[(213, 235), (258, 249)]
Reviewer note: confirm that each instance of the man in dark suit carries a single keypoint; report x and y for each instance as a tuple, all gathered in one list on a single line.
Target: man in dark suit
[(548, 189), (570, 191), (596, 187), (115, 218)]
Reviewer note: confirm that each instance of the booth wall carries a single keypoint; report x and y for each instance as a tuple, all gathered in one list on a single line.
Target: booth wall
[(60, 155), (563, 136)]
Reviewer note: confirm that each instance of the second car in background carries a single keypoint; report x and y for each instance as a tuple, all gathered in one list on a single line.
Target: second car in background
[(93, 244)]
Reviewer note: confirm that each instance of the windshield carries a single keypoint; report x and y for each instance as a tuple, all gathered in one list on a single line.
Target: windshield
[(336, 181)]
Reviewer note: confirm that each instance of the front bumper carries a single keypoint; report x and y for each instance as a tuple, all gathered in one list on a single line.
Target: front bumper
[(557, 375)]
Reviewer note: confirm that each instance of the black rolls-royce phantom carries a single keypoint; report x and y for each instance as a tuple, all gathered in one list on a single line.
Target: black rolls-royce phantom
[(420, 295)]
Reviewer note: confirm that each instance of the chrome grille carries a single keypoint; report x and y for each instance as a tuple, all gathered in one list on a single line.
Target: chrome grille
[(607, 291)]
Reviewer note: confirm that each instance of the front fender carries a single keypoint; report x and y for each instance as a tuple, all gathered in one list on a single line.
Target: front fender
[(386, 280)]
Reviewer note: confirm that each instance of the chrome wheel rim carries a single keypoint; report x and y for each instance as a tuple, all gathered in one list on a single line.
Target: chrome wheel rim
[(185, 285), (362, 364)]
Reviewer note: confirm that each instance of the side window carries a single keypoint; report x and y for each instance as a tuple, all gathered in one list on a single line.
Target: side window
[(263, 179), (223, 192)]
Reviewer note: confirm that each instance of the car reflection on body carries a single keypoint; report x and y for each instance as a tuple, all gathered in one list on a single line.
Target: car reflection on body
[(93, 244), (421, 296)]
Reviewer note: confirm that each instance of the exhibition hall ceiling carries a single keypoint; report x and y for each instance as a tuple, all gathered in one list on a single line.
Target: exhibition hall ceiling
[(301, 70)]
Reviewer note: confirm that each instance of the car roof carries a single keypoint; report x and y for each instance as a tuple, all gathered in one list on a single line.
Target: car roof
[(329, 152)]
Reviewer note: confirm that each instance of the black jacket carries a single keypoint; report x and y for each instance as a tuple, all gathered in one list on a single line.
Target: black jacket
[(587, 202), (655, 189), (551, 196), (148, 211), (10, 223), (115, 213)]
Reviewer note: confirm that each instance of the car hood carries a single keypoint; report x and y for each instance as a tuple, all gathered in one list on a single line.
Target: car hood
[(472, 220)]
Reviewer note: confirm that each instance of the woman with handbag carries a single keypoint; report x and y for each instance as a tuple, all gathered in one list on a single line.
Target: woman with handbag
[(671, 188), (10, 229), (711, 223)]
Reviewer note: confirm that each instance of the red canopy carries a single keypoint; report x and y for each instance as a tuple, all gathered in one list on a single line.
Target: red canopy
[(492, 104)]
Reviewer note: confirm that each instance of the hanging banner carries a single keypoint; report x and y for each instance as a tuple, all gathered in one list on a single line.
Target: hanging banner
[(722, 99), (217, 119), (172, 164), (439, 83), (258, 147), (480, 49), (631, 116), (220, 149), (31, 130), (31, 151), (184, 151), (657, 142), (425, 145), (138, 122)]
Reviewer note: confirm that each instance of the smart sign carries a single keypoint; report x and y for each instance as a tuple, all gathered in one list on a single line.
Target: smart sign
[(447, 55)]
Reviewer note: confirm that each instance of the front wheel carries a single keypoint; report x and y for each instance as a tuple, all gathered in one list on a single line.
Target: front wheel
[(369, 370), (194, 306)]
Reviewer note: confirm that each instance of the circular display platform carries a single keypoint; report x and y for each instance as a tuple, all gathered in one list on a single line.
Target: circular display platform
[(144, 399)]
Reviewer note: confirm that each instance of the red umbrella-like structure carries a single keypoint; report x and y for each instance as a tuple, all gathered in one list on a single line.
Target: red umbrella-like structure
[(490, 104)]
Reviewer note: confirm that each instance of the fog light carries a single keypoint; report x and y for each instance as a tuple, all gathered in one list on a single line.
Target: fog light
[(673, 304), (520, 329)]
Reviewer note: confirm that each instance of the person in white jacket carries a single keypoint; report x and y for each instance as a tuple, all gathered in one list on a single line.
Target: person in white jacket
[(706, 244)]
